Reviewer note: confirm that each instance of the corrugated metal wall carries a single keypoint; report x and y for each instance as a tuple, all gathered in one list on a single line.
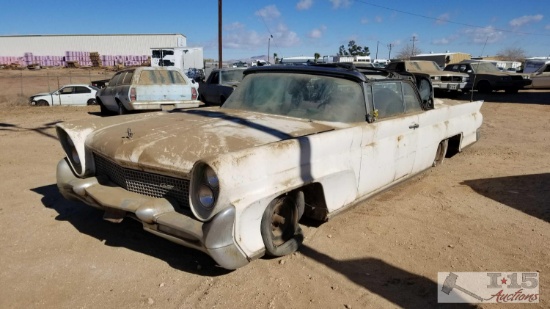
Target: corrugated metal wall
[(116, 44)]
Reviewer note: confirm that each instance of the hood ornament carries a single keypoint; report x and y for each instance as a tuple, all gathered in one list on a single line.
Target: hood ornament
[(129, 133)]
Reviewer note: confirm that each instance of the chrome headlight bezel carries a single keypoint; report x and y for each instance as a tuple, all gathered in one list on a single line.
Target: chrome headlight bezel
[(70, 150), (204, 191)]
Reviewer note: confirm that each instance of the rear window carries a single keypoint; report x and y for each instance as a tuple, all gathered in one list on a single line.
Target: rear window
[(128, 78), (82, 90), (161, 77)]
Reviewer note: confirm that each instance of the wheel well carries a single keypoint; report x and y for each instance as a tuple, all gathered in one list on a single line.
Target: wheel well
[(315, 204), (454, 145)]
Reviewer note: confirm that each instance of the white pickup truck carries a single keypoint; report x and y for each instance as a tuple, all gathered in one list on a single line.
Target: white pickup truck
[(290, 142)]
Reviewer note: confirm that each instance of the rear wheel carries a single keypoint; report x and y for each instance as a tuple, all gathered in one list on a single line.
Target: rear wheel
[(91, 102), (121, 109), (280, 230)]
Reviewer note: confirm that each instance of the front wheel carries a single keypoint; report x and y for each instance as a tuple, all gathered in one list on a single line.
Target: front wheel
[(484, 87), (42, 103), (441, 152), (280, 230)]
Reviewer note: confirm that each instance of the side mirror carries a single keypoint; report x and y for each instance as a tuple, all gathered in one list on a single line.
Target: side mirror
[(56, 93)]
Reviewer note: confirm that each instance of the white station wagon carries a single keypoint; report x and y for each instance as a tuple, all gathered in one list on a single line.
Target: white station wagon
[(290, 142), (147, 88)]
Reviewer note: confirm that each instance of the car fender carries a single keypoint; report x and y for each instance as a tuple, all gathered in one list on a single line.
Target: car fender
[(339, 190)]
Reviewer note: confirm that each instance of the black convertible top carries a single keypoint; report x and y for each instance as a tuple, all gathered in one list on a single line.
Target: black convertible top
[(341, 70)]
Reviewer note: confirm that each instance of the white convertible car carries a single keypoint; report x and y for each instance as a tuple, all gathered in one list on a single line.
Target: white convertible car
[(291, 141)]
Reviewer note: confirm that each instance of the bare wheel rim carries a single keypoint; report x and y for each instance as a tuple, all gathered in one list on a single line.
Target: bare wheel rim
[(281, 221)]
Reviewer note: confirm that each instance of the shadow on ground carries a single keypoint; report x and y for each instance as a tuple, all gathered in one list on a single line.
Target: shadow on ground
[(527, 193), (398, 286), (128, 234), (541, 97)]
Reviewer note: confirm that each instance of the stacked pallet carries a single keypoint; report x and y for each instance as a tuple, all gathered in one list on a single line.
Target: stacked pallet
[(95, 59)]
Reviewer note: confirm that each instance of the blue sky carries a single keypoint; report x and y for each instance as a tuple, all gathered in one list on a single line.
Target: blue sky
[(300, 27)]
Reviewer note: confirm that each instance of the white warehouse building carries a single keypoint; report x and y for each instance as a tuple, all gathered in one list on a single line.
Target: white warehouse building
[(24, 49)]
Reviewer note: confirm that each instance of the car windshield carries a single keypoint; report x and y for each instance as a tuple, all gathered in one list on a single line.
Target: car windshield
[(232, 76), (300, 95), (484, 67), (425, 66)]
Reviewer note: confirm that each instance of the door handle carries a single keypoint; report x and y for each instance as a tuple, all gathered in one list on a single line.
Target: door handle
[(414, 126)]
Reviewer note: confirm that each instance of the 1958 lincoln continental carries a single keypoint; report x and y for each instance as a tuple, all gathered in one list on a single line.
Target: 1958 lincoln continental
[(291, 141)]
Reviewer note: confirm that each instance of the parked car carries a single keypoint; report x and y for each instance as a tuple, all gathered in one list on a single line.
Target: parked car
[(485, 77), (66, 95), (290, 142), (219, 85), (147, 88), (448, 82)]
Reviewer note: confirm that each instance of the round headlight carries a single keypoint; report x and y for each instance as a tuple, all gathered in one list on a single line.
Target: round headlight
[(206, 196), (74, 153), (211, 177)]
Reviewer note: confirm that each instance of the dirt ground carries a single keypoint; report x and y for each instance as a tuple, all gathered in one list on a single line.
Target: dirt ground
[(485, 209)]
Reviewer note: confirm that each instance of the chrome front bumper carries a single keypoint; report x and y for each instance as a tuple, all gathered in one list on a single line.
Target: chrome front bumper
[(158, 216)]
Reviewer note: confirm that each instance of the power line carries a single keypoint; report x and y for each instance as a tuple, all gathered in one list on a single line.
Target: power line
[(448, 21)]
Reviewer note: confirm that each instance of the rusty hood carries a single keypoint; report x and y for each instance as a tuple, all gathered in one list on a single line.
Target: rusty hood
[(172, 142)]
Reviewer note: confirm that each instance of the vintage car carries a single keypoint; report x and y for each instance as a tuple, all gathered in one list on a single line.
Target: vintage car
[(66, 95), (291, 141), (447, 82), (485, 77), (219, 85), (147, 88)]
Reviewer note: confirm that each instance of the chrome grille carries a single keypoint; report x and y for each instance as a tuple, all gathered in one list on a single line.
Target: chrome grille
[(145, 183), (451, 78)]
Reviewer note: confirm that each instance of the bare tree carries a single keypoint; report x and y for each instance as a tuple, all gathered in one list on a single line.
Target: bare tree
[(407, 52), (512, 54)]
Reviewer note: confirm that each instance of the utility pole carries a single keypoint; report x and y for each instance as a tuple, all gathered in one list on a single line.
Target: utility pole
[(268, 42), (377, 42), (389, 48), (220, 61), (413, 52)]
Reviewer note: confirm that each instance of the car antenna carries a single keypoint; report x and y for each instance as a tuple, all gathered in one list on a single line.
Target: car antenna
[(475, 73)]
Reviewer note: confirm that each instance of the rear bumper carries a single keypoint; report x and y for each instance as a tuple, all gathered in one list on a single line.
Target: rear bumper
[(155, 105), (158, 216)]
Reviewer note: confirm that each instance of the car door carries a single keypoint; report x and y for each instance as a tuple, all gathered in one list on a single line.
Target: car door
[(82, 95), (65, 95), (389, 144), (541, 79)]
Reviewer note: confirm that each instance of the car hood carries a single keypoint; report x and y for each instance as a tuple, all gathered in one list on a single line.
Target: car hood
[(440, 73), (40, 94), (173, 142)]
